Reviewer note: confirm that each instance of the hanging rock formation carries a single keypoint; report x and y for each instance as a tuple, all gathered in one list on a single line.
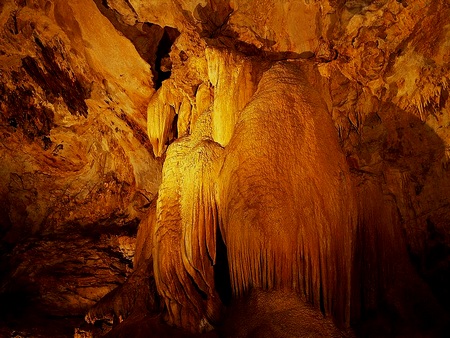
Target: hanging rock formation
[(225, 168)]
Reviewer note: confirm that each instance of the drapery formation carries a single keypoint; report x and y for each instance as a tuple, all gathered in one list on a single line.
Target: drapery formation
[(275, 185), (279, 193)]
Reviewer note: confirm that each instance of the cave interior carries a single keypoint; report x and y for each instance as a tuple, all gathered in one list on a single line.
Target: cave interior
[(208, 168)]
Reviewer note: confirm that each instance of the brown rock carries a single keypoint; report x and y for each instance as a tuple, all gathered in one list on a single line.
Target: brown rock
[(286, 161)]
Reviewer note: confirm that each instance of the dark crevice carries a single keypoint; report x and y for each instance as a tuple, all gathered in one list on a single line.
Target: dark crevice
[(202, 293), (144, 36), (11, 24), (443, 99), (21, 112), (163, 65), (222, 278), (152, 42), (174, 128)]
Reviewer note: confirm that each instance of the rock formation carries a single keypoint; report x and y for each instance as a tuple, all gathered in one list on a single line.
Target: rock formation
[(225, 168)]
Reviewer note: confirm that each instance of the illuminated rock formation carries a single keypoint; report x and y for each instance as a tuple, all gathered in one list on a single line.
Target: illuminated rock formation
[(287, 224), (286, 162)]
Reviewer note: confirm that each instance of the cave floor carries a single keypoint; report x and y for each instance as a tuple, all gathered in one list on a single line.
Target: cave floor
[(35, 325), (264, 314)]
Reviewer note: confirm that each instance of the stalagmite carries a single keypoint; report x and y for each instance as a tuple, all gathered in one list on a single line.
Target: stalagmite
[(295, 233)]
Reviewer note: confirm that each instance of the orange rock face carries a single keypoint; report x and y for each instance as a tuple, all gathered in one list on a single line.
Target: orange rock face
[(283, 159)]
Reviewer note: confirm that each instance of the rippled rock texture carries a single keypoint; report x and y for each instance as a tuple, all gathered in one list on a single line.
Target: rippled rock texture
[(225, 168), (77, 169)]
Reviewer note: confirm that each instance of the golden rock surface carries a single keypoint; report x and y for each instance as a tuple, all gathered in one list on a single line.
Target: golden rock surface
[(283, 159)]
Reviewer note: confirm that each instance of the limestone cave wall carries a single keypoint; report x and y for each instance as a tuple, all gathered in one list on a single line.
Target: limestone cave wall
[(271, 168)]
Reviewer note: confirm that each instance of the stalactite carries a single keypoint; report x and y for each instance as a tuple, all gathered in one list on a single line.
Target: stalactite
[(185, 235), (285, 206), (281, 194), (232, 89), (285, 197), (161, 111)]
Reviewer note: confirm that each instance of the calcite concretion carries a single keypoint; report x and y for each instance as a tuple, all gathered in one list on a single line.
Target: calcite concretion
[(287, 163), (232, 90), (381, 87), (284, 219)]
